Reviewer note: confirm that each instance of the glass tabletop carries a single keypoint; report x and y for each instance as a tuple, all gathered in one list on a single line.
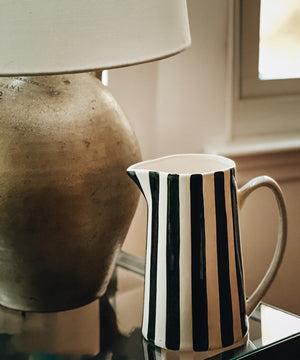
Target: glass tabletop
[(110, 328)]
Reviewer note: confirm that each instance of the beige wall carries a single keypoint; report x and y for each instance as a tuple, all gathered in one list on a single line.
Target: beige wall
[(258, 224), (181, 105)]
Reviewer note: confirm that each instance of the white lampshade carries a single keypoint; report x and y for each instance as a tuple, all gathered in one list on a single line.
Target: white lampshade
[(59, 36)]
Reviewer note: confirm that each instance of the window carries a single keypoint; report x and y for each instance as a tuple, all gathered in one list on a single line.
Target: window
[(266, 68), (279, 39)]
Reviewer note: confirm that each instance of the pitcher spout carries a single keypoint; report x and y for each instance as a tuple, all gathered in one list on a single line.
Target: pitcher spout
[(133, 176), (137, 175)]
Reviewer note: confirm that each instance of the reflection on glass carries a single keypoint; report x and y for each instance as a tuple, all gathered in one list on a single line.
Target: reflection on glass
[(276, 324), (279, 48)]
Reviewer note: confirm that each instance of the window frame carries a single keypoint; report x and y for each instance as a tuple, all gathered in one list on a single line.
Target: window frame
[(259, 107)]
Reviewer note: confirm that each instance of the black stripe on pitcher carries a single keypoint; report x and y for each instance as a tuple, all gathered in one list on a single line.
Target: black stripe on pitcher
[(223, 262), (172, 261), (238, 255), (154, 187), (199, 295)]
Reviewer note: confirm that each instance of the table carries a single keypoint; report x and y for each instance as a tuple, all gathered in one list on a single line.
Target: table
[(110, 328)]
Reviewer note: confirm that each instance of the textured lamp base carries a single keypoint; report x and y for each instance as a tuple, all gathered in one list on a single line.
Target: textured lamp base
[(66, 202)]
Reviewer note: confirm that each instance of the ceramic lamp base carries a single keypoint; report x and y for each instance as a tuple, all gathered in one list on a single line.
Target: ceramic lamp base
[(66, 202)]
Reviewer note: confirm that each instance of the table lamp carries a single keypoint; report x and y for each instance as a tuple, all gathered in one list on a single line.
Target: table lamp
[(66, 202)]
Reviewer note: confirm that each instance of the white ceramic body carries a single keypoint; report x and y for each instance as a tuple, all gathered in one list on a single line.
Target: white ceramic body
[(194, 288)]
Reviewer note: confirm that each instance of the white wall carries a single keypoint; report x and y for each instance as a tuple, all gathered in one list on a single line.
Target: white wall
[(181, 100), (181, 105)]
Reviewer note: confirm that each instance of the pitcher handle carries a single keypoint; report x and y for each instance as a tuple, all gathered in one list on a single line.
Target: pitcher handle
[(267, 280)]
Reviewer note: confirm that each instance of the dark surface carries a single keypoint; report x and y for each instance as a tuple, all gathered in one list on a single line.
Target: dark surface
[(285, 349), (110, 328)]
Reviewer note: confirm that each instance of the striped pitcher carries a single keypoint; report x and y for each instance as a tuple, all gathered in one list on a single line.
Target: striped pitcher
[(194, 289)]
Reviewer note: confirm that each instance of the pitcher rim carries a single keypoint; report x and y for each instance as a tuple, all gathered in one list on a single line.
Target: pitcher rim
[(230, 164)]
